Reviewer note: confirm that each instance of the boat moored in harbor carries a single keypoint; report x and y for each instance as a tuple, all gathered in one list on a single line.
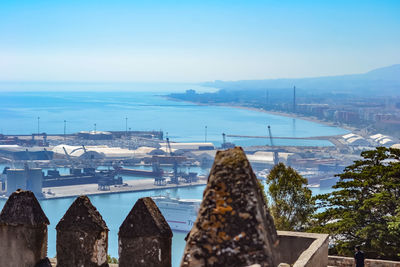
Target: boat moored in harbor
[(179, 213)]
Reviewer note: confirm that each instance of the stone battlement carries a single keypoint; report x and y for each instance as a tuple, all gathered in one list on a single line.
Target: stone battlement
[(233, 228)]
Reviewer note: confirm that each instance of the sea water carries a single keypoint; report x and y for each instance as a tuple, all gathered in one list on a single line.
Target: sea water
[(19, 113)]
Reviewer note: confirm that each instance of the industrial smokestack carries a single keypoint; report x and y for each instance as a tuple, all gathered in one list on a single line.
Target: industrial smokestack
[(294, 99)]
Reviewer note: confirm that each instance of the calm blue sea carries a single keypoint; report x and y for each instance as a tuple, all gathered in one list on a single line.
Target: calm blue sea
[(145, 111), (148, 111)]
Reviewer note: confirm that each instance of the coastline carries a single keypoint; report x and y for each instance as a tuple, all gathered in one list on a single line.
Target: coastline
[(277, 113), (294, 116)]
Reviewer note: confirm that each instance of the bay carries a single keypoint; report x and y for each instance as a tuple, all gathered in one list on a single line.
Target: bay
[(149, 111), (145, 111)]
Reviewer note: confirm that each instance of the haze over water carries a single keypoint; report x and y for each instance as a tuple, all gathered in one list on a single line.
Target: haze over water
[(148, 111)]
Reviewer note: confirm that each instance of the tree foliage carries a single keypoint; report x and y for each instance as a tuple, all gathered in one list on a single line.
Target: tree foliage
[(394, 227), (111, 259), (363, 208), (291, 202)]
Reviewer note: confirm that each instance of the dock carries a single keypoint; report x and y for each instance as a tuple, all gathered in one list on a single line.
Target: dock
[(130, 186), (334, 139), (329, 137)]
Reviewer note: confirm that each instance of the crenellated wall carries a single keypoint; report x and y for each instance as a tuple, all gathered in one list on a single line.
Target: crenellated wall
[(82, 235), (339, 261), (233, 228)]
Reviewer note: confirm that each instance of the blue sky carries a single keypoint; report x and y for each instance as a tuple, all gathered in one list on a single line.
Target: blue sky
[(191, 41)]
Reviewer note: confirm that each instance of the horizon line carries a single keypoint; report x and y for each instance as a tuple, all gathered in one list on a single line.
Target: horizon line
[(190, 82)]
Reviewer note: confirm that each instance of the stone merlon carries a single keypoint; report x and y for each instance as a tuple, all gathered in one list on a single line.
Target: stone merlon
[(145, 237), (233, 227), (82, 236), (22, 208), (82, 216), (23, 231), (145, 219)]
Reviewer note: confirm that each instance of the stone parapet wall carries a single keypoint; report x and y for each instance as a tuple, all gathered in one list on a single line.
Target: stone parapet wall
[(301, 249), (233, 228), (53, 262), (82, 235), (349, 262)]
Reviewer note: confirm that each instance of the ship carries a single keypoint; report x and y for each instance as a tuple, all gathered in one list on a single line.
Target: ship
[(78, 176), (180, 214)]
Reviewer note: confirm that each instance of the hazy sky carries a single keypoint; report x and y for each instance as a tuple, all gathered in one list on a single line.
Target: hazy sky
[(190, 41)]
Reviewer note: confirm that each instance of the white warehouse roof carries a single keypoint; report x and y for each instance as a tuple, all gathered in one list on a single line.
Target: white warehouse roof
[(357, 141), (386, 141), (350, 135), (377, 136), (110, 152), (188, 146), (396, 146)]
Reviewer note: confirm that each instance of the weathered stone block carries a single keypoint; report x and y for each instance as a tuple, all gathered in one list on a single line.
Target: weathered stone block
[(349, 262), (300, 249), (145, 237), (82, 236), (44, 263), (233, 227), (23, 231)]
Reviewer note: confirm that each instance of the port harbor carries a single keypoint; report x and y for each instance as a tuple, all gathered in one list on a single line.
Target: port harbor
[(99, 162), (55, 166)]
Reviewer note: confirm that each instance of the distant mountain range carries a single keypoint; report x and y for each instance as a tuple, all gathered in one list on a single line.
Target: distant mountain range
[(383, 81)]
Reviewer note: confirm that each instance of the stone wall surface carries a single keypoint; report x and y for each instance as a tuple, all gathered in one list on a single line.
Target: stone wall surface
[(145, 246), (295, 244), (82, 236), (23, 231), (44, 263), (303, 249), (233, 226), (53, 262), (349, 262)]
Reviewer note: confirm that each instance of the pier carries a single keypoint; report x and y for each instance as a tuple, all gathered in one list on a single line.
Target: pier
[(329, 137), (127, 187), (334, 139)]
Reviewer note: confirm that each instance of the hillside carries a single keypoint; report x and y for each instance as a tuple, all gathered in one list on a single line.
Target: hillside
[(382, 81)]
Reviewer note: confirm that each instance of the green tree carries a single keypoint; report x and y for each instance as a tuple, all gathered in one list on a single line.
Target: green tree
[(112, 259), (394, 227), (362, 209), (291, 203)]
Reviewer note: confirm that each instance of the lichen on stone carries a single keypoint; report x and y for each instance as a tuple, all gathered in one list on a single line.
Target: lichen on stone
[(82, 216), (232, 225), (22, 208), (145, 219)]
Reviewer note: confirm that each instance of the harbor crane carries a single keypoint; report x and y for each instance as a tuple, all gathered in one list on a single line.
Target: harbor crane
[(47, 154), (174, 179), (49, 157), (69, 158), (225, 144), (270, 135), (276, 155)]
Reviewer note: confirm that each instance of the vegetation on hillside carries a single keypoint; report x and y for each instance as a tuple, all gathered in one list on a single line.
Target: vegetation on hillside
[(364, 209), (291, 202), (112, 259)]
